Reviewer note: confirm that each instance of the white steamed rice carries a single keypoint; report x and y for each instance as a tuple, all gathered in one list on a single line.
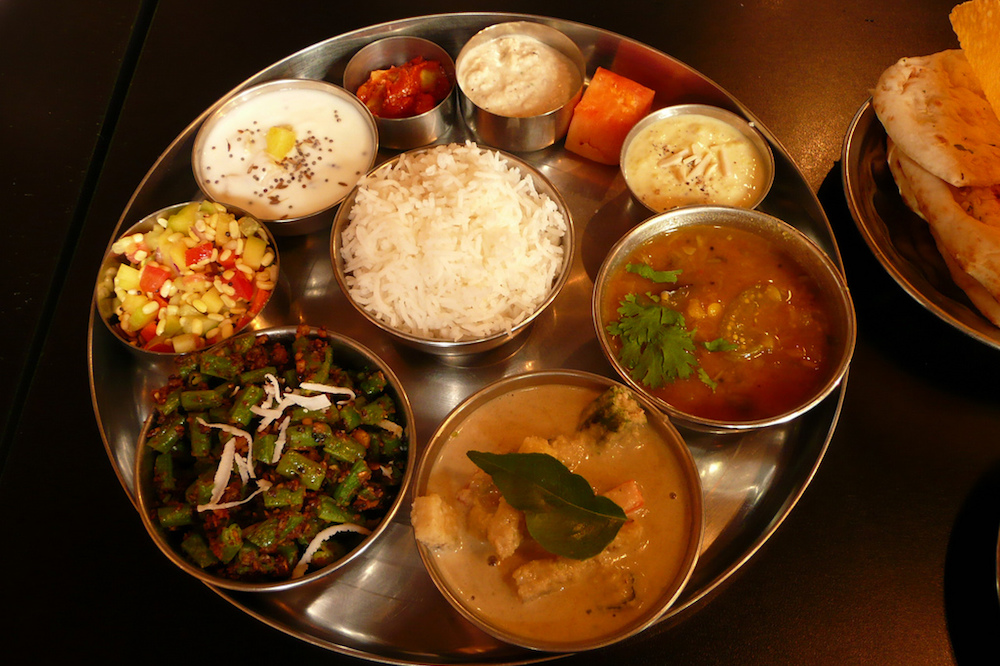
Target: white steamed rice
[(451, 243)]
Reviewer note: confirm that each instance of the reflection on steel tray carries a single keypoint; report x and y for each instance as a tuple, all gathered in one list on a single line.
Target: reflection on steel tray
[(900, 240), (380, 607)]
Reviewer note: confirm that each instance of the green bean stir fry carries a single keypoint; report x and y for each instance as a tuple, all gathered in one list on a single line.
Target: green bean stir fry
[(270, 460)]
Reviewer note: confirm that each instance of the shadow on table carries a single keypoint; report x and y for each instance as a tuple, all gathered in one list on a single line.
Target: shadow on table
[(932, 350), (972, 607), (890, 319)]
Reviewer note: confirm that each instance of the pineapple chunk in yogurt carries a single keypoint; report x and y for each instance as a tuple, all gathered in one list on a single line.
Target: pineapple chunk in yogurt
[(285, 153)]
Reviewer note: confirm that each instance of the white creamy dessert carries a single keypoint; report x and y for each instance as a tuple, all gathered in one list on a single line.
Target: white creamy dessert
[(518, 76), (693, 159), (286, 153)]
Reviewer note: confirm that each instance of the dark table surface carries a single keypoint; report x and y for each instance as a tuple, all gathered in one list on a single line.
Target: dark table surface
[(889, 556)]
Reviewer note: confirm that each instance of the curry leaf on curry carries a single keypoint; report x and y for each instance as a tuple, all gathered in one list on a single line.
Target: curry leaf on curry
[(562, 512)]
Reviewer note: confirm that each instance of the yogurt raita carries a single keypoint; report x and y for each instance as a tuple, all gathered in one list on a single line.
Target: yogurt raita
[(518, 76), (285, 153)]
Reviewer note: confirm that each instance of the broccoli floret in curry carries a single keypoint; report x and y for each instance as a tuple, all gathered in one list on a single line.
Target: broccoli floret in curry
[(615, 411)]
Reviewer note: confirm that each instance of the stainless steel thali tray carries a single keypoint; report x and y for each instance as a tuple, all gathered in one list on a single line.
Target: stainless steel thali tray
[(899, 239), (381, 607)]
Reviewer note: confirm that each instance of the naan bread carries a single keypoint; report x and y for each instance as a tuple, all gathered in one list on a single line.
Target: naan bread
[(934, 109), (965, 223), (988, 306), (905, 190), (981, 299), (977, 25)]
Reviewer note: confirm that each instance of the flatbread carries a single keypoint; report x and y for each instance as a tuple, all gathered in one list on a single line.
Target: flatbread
[(980, 298), (905, 189), (988, 306), (965, 223), (977, 25), (934, 109)]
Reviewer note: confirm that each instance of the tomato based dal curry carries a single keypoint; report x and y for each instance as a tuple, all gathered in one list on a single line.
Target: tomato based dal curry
[(757, 326)]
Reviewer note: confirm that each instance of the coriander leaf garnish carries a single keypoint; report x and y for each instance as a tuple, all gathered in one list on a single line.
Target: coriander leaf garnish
[(703, 376), (562, 512), (648, 272), (657, 347), (719, 344)]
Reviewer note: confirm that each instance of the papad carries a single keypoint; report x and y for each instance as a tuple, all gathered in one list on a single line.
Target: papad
[(977, 25)]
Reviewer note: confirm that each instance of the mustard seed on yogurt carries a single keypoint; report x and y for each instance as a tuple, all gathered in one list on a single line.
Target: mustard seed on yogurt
[(285, 153)]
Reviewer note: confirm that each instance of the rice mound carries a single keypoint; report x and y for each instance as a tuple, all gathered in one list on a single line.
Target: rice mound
[(451, 243)]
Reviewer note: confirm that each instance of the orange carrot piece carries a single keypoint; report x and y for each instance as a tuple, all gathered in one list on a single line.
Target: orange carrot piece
[(609, 108)]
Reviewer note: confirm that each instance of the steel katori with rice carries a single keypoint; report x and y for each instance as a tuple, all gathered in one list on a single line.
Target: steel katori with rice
[(454, 247)]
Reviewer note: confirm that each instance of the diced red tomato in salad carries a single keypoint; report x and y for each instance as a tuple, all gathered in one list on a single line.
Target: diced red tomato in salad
[(148, 332), (260, 297), (242, 285), (199, 253), (152, 277), (227, 259), (160, 344), (257, 302)]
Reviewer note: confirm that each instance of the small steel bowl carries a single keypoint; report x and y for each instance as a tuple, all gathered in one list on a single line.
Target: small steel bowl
[(241, 115), (104, 290), (760, 147), (415, 131), (529, 133), (829, 282), (467, 346), (523, 409), (348, 354)]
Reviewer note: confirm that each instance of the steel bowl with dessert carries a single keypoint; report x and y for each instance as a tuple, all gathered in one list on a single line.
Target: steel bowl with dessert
[(728, 318), (287, 151), (408, 85), (696, 154), (274, 459), (186, 277), (453, 249), (519, 82), (540, 574)]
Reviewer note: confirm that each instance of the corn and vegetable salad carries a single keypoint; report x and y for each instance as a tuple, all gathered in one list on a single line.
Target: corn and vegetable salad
[(197, 277)]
